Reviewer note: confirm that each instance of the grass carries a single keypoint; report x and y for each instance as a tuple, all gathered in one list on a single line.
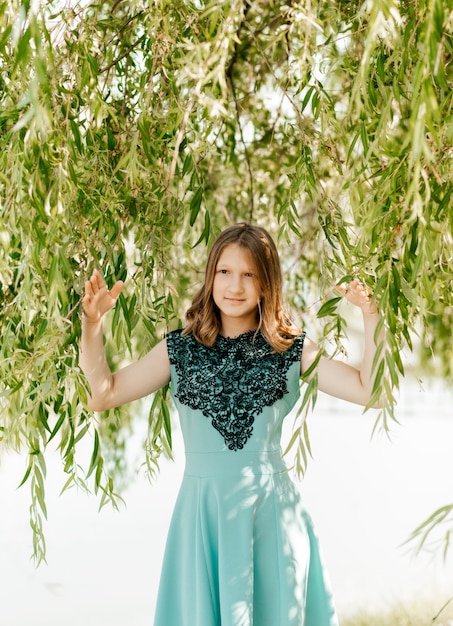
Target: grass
[(426, 613)]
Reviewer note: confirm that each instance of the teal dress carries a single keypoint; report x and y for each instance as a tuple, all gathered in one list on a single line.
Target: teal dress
[(241, 549)]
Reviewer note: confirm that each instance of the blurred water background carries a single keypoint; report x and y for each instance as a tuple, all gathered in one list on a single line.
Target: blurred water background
[(365, 496)]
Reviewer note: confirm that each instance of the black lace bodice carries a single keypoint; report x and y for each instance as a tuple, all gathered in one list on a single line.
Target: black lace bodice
[(232, 381)]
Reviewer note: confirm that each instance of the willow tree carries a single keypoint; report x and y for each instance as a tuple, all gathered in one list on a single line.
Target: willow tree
[(132, 132)]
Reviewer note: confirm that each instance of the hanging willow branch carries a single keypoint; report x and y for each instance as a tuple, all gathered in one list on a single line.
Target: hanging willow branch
[(93, 162)]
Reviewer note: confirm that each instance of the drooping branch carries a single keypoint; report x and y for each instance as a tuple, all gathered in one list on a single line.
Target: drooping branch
[(126, 53), (229, 75), (240, 47)]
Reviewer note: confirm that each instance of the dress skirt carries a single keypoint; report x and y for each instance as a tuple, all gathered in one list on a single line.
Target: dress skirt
[(241, 549)]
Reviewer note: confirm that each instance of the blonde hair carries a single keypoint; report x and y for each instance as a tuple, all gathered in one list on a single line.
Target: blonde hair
[(276, 326)]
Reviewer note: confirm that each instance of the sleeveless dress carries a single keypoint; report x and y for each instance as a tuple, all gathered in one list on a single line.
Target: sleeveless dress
[(241, 549)]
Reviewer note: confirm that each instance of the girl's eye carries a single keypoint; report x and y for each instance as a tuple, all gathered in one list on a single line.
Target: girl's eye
[(249, 275), (223, 271)]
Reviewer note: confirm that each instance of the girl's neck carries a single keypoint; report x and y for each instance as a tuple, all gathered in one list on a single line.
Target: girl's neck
[(231, 329)]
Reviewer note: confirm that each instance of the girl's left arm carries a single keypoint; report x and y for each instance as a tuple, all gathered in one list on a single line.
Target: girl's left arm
[(336, 377)]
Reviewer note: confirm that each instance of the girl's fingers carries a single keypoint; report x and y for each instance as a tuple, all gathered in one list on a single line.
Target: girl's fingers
[(96, 286), (98, 278), (116, 289), (88, 288), (355, 292), (95, 283)]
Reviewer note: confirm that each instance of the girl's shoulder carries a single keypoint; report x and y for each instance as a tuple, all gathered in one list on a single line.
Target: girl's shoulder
[(177, 344), (294, 350), (174, 334)]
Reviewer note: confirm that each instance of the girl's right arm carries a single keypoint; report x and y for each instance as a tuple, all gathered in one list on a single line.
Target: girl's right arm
[(107, 389)]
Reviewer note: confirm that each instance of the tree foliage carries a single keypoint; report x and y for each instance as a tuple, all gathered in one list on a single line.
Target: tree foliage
[(132, 132)]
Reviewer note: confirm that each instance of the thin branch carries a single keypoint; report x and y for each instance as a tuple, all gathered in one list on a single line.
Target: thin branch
[(240, 48), (237, 45), (229, 76), (246, 152), (180, 135), (115, 4), (122, 56), (123, 27), (441, 610)]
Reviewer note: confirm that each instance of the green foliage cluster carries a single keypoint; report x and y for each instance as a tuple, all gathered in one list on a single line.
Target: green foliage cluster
[(132, 132)]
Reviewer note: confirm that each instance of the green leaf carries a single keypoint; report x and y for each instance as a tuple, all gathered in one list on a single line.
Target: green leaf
[(95, 454), (329, 307), (195, 205)]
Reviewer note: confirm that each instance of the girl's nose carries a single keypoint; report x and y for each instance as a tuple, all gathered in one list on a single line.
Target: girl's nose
[(236, 284)]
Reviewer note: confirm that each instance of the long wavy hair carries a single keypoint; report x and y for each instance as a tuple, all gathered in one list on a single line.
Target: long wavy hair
[(275, 324)]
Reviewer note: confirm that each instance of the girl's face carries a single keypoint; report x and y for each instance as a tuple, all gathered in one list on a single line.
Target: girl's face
[(236, 289)]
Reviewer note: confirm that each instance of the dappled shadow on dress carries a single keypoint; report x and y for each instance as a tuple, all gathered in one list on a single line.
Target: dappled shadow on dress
[(267, 553), (241, 549)]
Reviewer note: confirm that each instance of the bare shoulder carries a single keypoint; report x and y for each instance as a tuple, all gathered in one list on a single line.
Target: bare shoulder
[(157, 355), (309, 354), (157, 360), (160, 349), (310, 345)]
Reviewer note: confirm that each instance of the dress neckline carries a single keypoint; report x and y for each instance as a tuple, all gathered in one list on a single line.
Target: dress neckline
[(241, 336)]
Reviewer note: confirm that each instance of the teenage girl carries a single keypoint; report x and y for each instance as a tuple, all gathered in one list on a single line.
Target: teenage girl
[(241, 549)]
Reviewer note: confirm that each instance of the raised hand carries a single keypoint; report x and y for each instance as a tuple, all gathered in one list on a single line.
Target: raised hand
[(97, 299), (357, 294)]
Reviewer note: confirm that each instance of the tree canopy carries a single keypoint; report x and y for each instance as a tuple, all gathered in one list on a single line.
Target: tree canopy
[(132, 132)]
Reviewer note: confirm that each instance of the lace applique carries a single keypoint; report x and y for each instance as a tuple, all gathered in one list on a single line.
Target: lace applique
[(232, 381)]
